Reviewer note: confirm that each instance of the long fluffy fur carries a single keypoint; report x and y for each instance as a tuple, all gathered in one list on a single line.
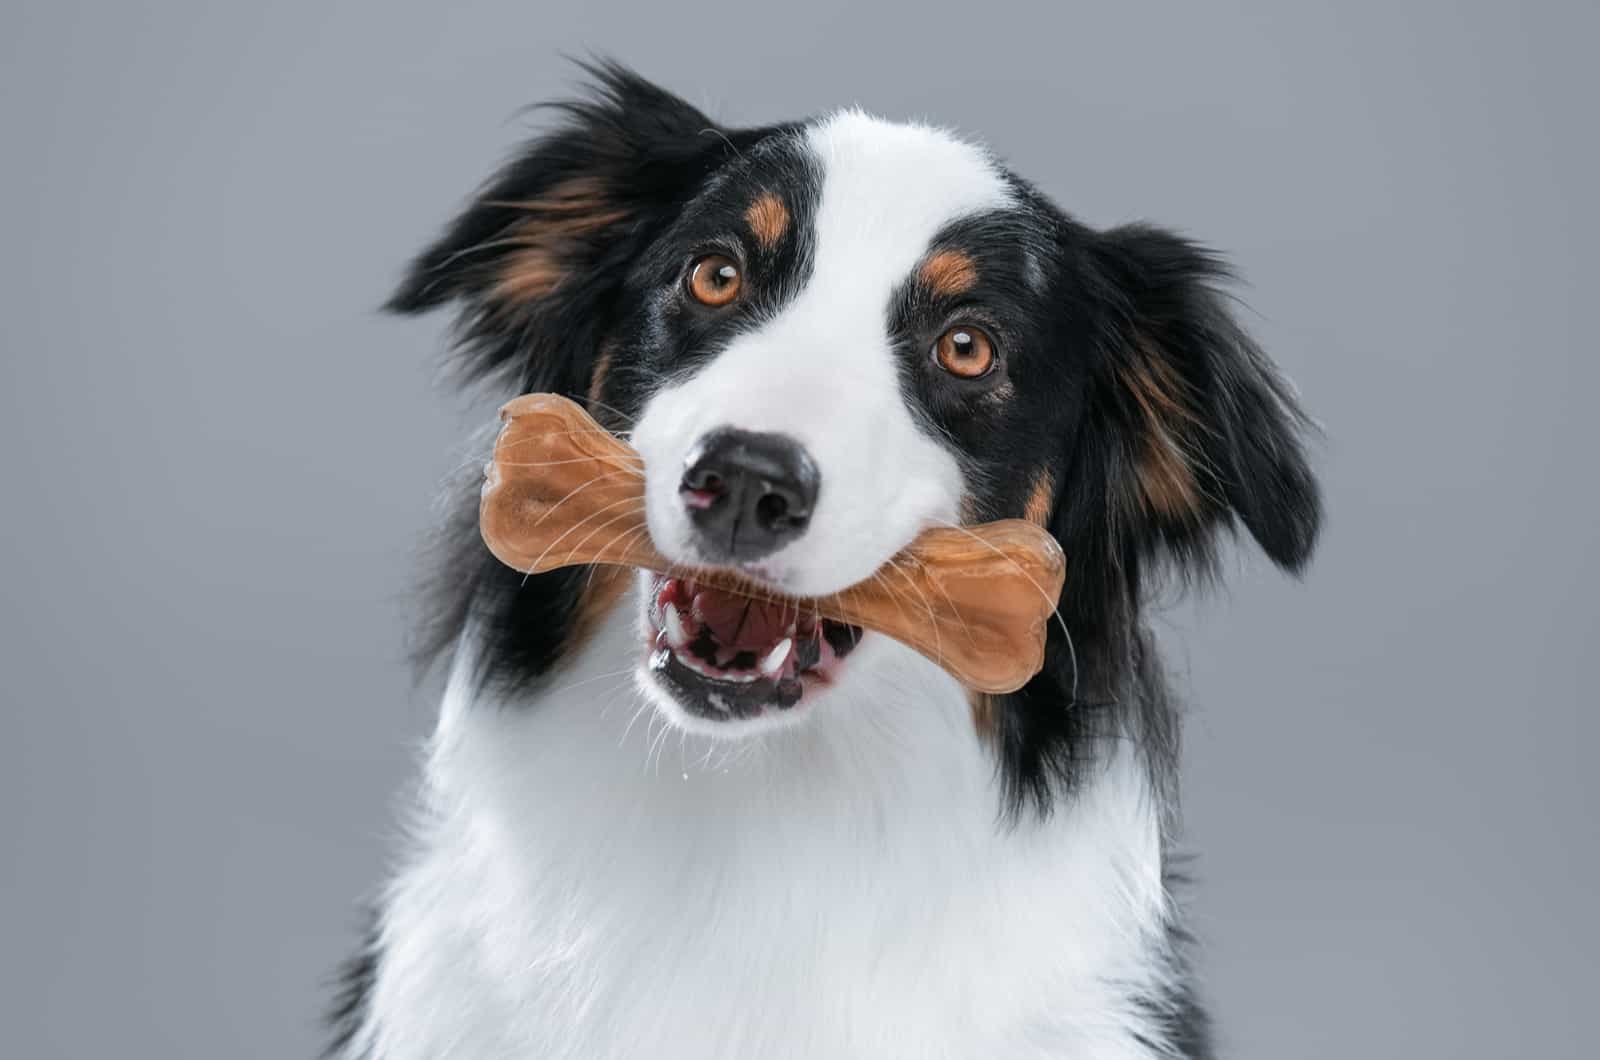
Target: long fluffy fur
[(1137, 420)]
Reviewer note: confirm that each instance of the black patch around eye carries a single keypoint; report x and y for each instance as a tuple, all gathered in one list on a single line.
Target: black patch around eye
[(676, 334), (1006, 423)]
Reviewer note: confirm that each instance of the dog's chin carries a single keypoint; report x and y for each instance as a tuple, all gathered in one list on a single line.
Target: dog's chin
[(730, 666)]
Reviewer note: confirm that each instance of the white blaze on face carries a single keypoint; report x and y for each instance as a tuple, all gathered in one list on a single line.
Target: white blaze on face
[(823, 371)]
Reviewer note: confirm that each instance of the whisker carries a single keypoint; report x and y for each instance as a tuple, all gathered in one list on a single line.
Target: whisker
[(620, 535), (705, 759), (559, 463), (651, 720), (933, 619), (642, 528), (1055, 605), (578, 548), (894, 596), (589, 681), (939, 584), (542, 435), (938, 646), (644, 705), (597, 403), (683, 747), (534, 566), (579, 489), (659, 744)]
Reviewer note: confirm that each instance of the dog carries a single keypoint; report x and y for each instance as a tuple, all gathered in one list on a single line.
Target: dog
[(657, 820)]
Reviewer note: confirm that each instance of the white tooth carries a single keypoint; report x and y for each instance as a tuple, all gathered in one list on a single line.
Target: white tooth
[(692, 663), (677, 636), (777, 657)]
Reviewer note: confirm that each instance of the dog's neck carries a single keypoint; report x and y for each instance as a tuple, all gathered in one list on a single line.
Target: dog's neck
[(591, 884)]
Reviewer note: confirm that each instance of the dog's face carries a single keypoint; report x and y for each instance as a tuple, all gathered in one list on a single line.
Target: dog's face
[(793, 312), (816, 317), (826, 337)]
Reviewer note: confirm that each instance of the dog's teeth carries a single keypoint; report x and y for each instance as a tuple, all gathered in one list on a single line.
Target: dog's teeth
[(672, 622), (694, 664), (777, 657)]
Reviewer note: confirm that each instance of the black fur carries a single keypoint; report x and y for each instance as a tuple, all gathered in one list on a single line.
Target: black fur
[(353, 987), (650, 152), (1132, 303), (1125, 379), (1141, 292)]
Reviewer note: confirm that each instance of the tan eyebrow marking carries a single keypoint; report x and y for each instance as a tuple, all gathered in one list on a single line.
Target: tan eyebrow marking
[(768, 218), (948, 273)]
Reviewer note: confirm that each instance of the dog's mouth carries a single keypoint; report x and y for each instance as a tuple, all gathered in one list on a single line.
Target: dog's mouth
[(726, 657)]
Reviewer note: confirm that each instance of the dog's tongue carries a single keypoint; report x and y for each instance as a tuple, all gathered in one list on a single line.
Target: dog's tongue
[(742, 623)]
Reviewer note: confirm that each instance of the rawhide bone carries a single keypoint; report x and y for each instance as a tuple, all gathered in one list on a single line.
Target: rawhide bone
[(563, 491)]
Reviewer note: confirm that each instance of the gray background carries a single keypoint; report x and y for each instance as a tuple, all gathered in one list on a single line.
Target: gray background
[(217, 458)]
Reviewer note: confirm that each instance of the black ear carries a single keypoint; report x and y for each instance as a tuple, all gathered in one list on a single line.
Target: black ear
[(1195, 427), (538, 256)]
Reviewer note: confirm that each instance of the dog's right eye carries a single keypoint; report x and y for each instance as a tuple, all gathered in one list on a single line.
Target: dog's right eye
[(714, 280), (965, 352)]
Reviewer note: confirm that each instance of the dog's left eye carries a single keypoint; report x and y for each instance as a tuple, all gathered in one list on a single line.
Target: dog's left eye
[(965, 352), (714, 280)]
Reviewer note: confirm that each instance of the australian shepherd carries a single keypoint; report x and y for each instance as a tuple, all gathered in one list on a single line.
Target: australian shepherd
[(657, 821)]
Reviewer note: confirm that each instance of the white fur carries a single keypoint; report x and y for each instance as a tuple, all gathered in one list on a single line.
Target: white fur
[(822, 370), (588, 884)]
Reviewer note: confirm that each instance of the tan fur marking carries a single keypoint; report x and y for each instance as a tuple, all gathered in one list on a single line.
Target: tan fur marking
[(599, 597), (985, 715), (1166, 481), (1159, 384), (1041, 499), (527, 275), (1165, 472), (969, 510), (602, 369), (768, 218), (948, 273), (577, 195), (565, 213)]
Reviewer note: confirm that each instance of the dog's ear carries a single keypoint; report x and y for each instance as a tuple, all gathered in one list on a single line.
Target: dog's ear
[(537, 257), (1189, 428)]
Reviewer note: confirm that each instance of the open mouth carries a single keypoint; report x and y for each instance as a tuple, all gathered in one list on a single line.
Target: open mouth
[(725, 656)]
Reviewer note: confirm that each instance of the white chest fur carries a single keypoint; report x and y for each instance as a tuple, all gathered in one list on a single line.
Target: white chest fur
[(585, 884)]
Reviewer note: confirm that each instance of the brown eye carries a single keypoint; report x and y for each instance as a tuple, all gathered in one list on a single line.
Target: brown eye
[(965, 352), (714, 280)]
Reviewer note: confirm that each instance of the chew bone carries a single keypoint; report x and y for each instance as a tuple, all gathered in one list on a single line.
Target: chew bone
[(563, 491)]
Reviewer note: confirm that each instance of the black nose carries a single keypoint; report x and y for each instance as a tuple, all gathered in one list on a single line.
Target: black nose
[(748, 494)]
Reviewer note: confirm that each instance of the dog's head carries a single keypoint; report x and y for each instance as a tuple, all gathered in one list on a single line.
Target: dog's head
[(826, 336)]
